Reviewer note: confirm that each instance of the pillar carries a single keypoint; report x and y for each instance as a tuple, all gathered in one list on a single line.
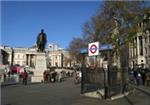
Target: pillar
[(138, 49), (29, 62)]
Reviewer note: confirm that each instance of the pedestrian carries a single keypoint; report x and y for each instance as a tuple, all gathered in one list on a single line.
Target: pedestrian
[(25, 77), (20, 76), (8, 75), (47, 76), (53, 78), (68, 74), (4, 75), (44, 76), (136, 75), (60, 77), (143, 76)]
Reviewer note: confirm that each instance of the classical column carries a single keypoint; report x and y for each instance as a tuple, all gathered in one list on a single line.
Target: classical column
[(9, 59), (59, 60), (144, 52), (148, 48), (34, 60), (29, 58), (138, 46), (26, 59)]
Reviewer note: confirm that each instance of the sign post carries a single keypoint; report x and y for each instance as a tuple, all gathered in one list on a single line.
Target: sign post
[(93, 49), (107, 48)]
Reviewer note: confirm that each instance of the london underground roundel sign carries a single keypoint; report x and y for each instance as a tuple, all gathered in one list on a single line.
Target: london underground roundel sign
[(93, 49)]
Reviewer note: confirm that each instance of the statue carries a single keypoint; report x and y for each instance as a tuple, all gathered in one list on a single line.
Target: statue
[(41, 41)]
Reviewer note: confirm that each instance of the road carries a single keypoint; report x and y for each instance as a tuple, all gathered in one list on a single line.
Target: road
[(65, 93)]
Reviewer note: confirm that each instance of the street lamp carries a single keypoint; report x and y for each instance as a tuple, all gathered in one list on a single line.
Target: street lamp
[(105, 70), (12, 56)]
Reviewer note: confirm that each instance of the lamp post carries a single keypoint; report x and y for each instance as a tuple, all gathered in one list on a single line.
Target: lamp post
[(83, 67), (12, 56), (105, 67)]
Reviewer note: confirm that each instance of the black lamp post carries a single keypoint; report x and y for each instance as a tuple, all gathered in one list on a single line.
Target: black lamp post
[(12, 56)]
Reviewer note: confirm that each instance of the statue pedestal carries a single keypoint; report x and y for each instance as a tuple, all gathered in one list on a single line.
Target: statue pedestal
[(40, 67)]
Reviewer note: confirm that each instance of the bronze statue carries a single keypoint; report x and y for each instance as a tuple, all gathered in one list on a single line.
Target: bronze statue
[(41, 41)]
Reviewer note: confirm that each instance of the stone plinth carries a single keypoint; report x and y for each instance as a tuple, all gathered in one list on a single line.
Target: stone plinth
[(40, 67)]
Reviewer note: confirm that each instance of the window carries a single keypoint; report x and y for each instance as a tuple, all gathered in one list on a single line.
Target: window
[(18, 62), (149, 37), (146, 50), (50, 64), (23, 62), (56, 64), (18, 56), (141, 45)]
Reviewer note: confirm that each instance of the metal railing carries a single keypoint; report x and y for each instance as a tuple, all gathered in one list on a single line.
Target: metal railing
[(111, 81)]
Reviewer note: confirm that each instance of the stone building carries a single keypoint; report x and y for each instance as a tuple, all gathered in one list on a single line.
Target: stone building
[(139, 49), (3, 57), (20, 56), (27, 57), (59, 58)]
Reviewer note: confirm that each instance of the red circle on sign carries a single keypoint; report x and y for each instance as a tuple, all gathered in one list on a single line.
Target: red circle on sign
[(93, 48)]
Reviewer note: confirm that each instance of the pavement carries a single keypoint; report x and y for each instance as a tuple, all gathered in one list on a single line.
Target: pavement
[(7, 83), (64, 93), (145, 89)]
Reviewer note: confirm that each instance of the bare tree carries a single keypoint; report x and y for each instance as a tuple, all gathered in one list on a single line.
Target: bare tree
[(75, 47)]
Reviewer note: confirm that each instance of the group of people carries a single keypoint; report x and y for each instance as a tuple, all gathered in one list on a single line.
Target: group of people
[(52, 76), (9, 76), (140, 76), (77, 77), (49, 76), (55, 76)]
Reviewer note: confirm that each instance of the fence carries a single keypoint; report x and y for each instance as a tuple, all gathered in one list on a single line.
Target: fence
[(112, 81)]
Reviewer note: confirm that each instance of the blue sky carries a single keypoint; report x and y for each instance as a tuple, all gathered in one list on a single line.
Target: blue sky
[(22, 21)]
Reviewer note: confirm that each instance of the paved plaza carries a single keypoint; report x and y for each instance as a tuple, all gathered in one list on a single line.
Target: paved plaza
[(64, 93)]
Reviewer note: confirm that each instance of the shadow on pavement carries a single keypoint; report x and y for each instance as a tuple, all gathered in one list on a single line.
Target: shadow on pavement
[(128, 100)]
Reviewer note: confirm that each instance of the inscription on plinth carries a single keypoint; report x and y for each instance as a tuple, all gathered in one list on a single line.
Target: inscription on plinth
[(40, 67), (40, 62)]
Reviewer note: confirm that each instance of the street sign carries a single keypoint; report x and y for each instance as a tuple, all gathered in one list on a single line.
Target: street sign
[(93, 49), (105, 47), (84, 51)]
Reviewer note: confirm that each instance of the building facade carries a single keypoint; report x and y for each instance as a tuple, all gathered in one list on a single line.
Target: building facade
[(27, 56), (139, 49)]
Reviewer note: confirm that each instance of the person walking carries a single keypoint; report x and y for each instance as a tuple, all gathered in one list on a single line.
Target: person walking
[(60, 77), (25, 77), (136, 75), (44, 76), (143, 76), (4, 76)]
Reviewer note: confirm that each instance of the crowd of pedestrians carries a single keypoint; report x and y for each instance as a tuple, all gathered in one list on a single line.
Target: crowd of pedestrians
[(53, 76), (141, 76), (10, 77), (77, 77), (23, 76)]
